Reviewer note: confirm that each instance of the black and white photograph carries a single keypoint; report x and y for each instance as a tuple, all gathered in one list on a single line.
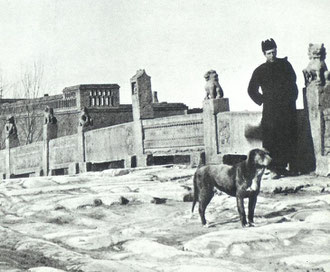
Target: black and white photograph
[(164, 136)]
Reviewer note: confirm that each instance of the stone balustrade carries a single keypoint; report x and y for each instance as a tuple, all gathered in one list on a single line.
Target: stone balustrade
[(216, 132)]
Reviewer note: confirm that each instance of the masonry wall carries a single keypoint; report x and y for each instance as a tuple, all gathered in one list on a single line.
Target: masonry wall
[(111, 116), (68, 120), (165, 109)]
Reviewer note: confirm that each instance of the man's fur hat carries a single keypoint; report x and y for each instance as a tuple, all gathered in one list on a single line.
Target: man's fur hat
[(268, 44)]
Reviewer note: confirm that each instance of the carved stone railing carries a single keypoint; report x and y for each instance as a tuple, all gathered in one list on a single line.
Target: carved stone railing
[(175, 132), (26, 159)]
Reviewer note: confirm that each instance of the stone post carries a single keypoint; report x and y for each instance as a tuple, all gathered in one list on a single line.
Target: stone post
[(49, 133), (85, 124), (142, 109), (7, 174), (83, 166), (81, 144), (317, 105), (141, 158), (11, 141), (211, 107)]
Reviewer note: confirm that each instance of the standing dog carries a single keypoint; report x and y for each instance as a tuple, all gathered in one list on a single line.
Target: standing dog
[(241, 180)]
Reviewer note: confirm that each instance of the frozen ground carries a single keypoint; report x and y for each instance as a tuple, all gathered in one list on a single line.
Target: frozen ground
[(79, 223)]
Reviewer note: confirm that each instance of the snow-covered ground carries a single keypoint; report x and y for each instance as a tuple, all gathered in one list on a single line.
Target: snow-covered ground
[(80, 223)]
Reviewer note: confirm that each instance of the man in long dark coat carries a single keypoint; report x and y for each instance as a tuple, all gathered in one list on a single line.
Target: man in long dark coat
[(278, 95)]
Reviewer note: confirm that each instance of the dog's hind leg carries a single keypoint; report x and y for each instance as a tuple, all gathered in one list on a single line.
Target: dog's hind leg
[(205, 196), (241, 211), (252, 206), (196, 193)]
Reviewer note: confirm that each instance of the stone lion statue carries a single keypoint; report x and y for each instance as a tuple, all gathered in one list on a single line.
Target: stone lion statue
[(49, 117), (10, 127), (85, 120), (11, 132), (212, 87), (316, 67)]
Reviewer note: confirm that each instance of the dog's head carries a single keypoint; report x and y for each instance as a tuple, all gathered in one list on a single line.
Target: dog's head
[(260, 158)]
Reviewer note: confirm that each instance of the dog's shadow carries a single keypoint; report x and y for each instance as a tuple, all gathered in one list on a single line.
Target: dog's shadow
[(214, 224)]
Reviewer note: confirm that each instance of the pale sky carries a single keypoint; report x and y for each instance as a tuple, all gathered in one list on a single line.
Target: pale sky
[(176, 42)]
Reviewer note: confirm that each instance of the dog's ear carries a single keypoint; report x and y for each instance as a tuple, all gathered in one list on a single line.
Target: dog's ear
[(251, 156), (251, 160), (266, 151)]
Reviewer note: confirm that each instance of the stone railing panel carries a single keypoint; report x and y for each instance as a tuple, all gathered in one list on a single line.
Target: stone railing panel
[(63, 151), (109, 144), (231, 127), (26, 159), (175, 132)]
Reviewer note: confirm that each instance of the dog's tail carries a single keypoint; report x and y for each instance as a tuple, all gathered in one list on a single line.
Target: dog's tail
[(195, 192)]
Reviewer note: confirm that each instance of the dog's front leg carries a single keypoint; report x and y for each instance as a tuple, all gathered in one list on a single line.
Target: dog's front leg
[(241, 211), (252, 206)]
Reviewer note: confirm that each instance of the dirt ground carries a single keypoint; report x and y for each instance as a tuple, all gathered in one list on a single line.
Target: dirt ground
[(79, 223)]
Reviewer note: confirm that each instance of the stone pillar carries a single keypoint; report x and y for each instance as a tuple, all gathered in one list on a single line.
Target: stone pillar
[(85, 124), (141, 96), (196, 159), (211, 107), (10, 142), (81, 144), (141, 158), (317, 106), (7, 174), (83, 166), (49, 133), (142, 109)]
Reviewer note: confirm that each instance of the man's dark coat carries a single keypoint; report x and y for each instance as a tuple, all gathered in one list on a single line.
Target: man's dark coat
[(279, 93)]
